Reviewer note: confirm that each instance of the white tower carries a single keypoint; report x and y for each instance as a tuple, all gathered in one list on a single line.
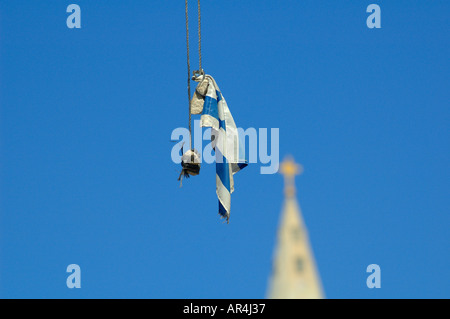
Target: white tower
[(294, 272)]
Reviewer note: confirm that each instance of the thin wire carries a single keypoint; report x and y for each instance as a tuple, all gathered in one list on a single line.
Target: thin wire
[(199, 37), (189, 72), (199, 58)]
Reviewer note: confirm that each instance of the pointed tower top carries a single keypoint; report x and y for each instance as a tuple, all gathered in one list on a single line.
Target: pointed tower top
[(289, 169), (294, 273)]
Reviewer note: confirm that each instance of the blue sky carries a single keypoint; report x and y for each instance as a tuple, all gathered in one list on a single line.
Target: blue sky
[(86, 175)]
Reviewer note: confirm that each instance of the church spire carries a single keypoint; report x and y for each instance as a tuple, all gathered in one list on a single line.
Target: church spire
[(294, 273)]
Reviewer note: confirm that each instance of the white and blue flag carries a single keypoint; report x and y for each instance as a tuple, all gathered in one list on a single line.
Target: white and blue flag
[(229, 149)]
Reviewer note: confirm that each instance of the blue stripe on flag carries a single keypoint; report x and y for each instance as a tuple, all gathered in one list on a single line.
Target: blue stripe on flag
[(223, 171), (223, 125), (210, 107), (222, 210), (219, 96)]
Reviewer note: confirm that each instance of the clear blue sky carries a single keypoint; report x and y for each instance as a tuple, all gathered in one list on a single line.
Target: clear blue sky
[(86, 175)]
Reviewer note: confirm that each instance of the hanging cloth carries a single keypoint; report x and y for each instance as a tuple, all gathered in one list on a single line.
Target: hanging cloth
[(228, 146)]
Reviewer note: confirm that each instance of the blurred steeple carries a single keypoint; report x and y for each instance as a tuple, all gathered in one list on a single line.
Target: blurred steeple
[(294, 273)]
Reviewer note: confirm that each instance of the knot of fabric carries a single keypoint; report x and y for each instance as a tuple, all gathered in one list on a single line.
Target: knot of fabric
[(198, 99)]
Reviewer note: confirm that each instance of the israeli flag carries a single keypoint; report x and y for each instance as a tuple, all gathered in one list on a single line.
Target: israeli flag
[(229, 148)]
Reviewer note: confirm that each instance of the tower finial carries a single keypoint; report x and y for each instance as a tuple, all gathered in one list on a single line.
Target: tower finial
[(289, 169)]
